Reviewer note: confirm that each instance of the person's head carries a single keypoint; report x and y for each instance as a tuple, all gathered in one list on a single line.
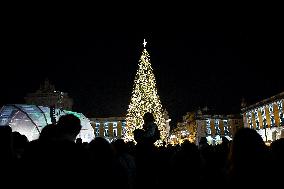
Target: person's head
[(148, 117), (19, 141), (225, 141), (247, 144), (100, 148), (49, 132), (120, 146), (79, 141), (138, 135), (277, 149), (69, 126), (5, 134)]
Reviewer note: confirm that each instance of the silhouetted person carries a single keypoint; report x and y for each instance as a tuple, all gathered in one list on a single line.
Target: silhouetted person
[(19, 143), (6, 144), (203, 143), (277, 148), (69, 127), (49, 133), (150, 128), (79, 141), (107, 171), (277, 152), (248, 158), (186, 166), (147, 134), (146, 153), (138, 135), (126, 161), (56, 153), (6, 156)]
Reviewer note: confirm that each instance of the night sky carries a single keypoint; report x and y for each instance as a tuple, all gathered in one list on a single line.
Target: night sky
[(97, 69)]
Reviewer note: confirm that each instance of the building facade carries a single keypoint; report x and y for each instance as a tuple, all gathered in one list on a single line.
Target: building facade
[(46, 95), (110, 128), (266, 117), (168, 120), (213, 127)]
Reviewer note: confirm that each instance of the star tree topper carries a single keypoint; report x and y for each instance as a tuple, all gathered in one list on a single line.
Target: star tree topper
[(144, 43)]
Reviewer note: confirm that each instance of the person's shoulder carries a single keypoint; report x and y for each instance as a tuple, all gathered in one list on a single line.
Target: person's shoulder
[(154, 125)]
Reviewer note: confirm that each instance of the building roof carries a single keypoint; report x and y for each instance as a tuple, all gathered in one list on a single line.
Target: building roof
[(216, 114), (108, 119), (264, 102)]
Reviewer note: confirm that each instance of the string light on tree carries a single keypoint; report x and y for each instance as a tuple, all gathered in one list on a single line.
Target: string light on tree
[(144, 99)]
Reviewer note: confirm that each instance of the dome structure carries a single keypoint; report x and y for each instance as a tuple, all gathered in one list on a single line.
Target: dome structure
[(29, 120)]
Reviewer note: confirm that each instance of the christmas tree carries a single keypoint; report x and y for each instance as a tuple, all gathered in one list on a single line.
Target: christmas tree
[(144, 99)]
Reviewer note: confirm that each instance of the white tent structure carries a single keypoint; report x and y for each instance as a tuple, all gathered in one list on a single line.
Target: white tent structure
[(29, 120)]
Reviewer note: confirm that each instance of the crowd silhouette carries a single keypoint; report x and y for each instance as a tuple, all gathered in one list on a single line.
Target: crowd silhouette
[(58, 157)]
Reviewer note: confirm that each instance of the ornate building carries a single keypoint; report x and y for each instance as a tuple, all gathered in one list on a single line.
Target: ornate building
[(46, 95), (209, 125), (266, 117), (214, 127)]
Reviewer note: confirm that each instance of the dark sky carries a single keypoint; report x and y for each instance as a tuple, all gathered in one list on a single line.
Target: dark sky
[(97, 69)]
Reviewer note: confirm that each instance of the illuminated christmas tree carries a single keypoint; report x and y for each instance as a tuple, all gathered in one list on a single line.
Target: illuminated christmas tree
[(144, 99)]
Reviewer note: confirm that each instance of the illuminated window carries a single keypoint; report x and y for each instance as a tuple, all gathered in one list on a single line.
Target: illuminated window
[(208, 128), (97, 131), (262, 109), (226, 129), (249, 118), (3, 121), (256, 119), (281, 113), (271, 115), (106, 133), (217, 129)]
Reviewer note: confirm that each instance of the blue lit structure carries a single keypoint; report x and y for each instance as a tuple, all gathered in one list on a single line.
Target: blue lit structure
[(29, 120)]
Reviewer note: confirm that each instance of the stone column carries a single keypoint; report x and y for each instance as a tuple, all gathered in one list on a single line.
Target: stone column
[(221, 126), (267, 115), (276, 114), (253, 119), (119, 129), (93, 124), (245, 120), (230, 127), (260, 118), (110, 129), (102, 129), (212, 126)]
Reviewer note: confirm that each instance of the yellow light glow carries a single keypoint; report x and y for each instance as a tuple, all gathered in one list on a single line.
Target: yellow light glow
[(144, 99)]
